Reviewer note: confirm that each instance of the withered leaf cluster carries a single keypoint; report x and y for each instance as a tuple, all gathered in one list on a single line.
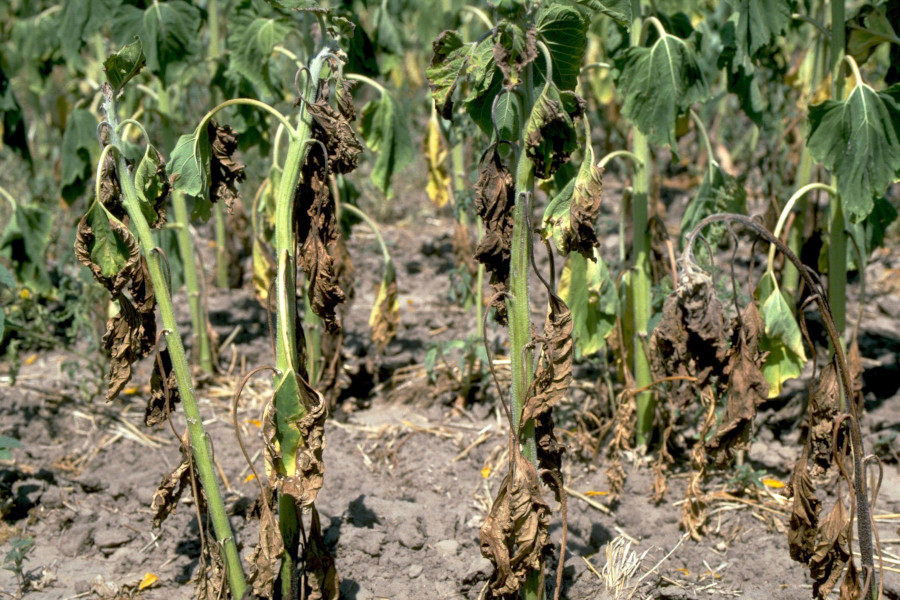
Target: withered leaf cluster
[(332, 127), (170, 490), (746, 385), (515, 534), (824, 407), (225, 171), (163, 391), (550, 135), (385, 317), (265, 561), (495, 198), (691, 340), (580, 235), (513, 51), (322, 581)]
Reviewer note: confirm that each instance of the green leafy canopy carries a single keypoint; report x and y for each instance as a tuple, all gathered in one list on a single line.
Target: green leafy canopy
[(251, 41), (384, 129)]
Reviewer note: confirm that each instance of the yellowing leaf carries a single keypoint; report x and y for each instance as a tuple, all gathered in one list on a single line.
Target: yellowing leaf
[(593, 493), (148, 580), (30, 360), (772, 483), (438, 187), (486, 472), (249, 478), (131, 391)]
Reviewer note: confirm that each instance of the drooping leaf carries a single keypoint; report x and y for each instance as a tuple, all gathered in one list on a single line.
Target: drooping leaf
[(782, 337), (495, 196), (658, 84), (620, 10), (514, 49), (858, 140), (448, 66), (251, 41), (152, 187), (385, 316), (322, 581), (78, 142), (80, 20), (225, 172), (869, 234), (436, 155), (333, 127), (564, 29), (387, 36), (870, 28), (107, 248), (589, 291), (805, 509), (759, 22), (169, 32), (163, 391), (169, 492), (550, 135), (24, 241), (554, 372), (121, 66), (189, 166), (824, 407), (718, 193), (384, 127)]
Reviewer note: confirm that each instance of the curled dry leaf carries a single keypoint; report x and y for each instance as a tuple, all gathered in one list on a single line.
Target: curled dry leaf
[(322, 580), (495, 198), (513, 51), (165, 500), (385, 317), (265, 562), (210, 583), (804, 520), (549, 453), (160, 405), (225, 171), (580, 235), (747, 388), (550, 132), (832, 551), (108, 249), (690, 340), (851, 587), (515, 534), (332, 127), (554, 372), (824, 407)]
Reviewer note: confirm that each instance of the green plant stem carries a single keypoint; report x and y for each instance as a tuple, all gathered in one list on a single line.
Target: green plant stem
[(798, 196), (640, 281), (202, 346), (200, 445), (288, 405), (837, 246)]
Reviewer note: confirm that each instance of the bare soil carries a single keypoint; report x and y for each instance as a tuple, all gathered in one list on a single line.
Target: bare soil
[(410, 472)]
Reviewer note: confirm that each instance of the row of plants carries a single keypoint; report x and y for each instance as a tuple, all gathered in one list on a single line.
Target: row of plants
[(517, 91)]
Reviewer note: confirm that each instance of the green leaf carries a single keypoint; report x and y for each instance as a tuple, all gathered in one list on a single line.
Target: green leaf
[(7, 443), (6, 278), (759, 22), (251, 42), (188, 169), (2, 331), (121, 66), (659, 83), (12, 120), (564, 29), (453, 62), (619, 10), (720, 193), (384, 129), (869, 234), (108, 249), (80, 20), (870, 28), (589, 292), (78, 143), (781, 338), (149, 185), (858, 140), (24, 242), (507, 115), (387, 37), (169, 32)]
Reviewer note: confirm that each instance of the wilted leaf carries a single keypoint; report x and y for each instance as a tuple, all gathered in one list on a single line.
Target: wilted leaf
[(107, 248), (251, 41), (514, 49), (165, 500), (824, 407), (804, 520), (759, 22), (322, 580), (658, 84), (586, 287), (160, 405), (152, 187), (554, 372), (851, 587), (782, 338), (448, 66), (858, 140), (225, 171), (571, 215), (870, 28), (550, 135), (385, 128), (385, 317), (495, 198), (747, 389), (336, 132), (515, 534), (832, 551), (438, 187), (265, 562), (121, 66), (189, 167)]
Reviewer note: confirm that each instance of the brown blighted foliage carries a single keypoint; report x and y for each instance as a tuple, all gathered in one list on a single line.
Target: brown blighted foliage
[(832, 551), (322, 580), (511, 64), (690, 340), (694, 510), (554, 127), (854, 364), (110, 189), (332, 355), (804, 520), (332, 127), (265, 561), (238, 242), (824, 406), (549, 453), (580, 235), (305, 485), (169, 492), (83, 241), (851, 587), (439, 46), (210, 583), (554, 372), (163, 392), (495, 198), (747, 388), (515, 535), (225, 171)]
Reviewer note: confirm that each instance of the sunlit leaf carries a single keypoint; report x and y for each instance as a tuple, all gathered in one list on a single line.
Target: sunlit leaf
[(781, 338), (438, 186), (564, 29), (858, 140), (188, 168), (150, 184)]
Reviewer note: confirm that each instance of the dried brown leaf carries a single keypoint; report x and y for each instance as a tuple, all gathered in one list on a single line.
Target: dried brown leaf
[(495, 198), (511, 64), (110, 189), (554, 372), (84, 239), (832, 551), (804, 520), (305, 485), (824, 407), (515, 535), (160, 405), (580, 235), (265, 562), (463, 249), (225, 171), (165, 500), (332, 127), (549, 452), (123, 343), (747, 389), (321, 577), (851, 587)]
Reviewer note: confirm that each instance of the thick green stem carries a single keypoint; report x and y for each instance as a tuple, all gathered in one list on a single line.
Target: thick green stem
[(641, 301), (837, 246), (200, 445), (202, 346)]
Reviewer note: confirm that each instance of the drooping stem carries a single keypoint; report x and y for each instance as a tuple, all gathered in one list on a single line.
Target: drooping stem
[(788, 207), (200, 445), (837, 246), (202, 346), (640, 280)]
